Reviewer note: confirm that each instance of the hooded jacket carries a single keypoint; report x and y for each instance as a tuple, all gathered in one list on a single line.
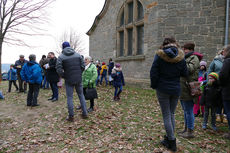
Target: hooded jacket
[(193, 64), (70, 66), (118, 78), (216, 64), (167, 68), (12, 74), (224, 79), (89, 76), (31, 72)]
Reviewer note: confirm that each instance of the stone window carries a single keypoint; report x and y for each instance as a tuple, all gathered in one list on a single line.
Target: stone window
[(130, 29)]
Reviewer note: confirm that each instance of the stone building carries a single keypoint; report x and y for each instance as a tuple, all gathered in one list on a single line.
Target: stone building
[(130, 31)]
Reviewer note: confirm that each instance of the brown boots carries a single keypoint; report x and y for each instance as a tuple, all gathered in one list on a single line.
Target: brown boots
[(188, 134)]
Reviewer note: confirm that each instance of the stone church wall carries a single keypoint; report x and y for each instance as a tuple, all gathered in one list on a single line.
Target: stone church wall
[(199, 21)]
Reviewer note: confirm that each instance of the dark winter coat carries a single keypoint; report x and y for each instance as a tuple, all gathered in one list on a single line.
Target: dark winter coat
[(19, 63), (167, 68), (32, 73), (98, 70), (12, 75), (52, 75), (224, 78), (118, 78), (111, 65), (70, 66), (211, 96)]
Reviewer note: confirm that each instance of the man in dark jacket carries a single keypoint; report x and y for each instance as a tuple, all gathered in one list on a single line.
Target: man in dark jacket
[(70, 66), (32, 74), (18, 65), (111, 65), (224, 78), (52, 76)]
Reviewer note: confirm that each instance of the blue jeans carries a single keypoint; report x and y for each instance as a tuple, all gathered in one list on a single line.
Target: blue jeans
[(117, 93), (168, 105), (45, 83), (69, 93), (98, 79), (104, 76), (54, 88), (227, 111), (189, 118)]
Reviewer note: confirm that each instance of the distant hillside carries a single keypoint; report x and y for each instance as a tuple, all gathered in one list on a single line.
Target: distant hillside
[(5, 67)]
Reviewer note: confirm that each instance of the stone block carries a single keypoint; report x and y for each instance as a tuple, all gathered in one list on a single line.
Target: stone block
[(220, 3), (179, 30), (194, 29), (184, 37), (211, 20), (204, 30), (188, 21), (200, 21), (171, 21)]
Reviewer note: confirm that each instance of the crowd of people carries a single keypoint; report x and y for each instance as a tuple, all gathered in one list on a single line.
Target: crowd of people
[(79, 73), (179, 73), (173, 73)]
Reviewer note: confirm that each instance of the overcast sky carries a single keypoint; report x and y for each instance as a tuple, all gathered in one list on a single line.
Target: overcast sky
[(64, 14)]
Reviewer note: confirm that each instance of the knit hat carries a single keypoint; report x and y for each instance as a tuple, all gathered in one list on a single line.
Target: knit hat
[(214, 75), (65, 44), (118, 65), (103, 63), (203, 63)]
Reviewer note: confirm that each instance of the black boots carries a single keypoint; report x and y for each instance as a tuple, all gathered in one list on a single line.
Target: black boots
[(170, 144)]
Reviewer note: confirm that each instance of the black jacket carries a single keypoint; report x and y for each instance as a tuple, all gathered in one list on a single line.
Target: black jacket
[(70, 66), (224, 78), (17, 63), (52, 75), (211, 96), (167, 68)]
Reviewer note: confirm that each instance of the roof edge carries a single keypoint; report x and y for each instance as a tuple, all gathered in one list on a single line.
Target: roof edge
[(98, 17)]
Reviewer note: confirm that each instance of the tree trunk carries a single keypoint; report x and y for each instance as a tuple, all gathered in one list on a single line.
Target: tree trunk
[(1, 60)]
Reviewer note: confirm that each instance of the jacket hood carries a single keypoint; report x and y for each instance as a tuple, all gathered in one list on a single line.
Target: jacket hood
[(219, 58), (118, 69), (171, 54), (31, 63), (199, 55), (68, 51)]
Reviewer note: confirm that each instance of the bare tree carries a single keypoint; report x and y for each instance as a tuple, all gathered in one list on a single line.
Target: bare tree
[(20, 17), (74, 39)]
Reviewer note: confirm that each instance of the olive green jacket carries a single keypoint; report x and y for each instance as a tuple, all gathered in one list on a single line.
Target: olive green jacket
[(89, 76), (193, 65)]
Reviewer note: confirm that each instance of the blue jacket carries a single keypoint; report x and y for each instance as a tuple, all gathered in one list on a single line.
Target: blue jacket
[(167, 68), (12, 75), (216, 64), (31, 72), (118, 78)]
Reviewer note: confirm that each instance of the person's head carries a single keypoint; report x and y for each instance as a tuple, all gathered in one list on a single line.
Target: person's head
[(203, 65), (188, 47), (110, 60), (65, 44), (168, 40), (212, 77), (103, 63), (21, 57), (117, 65), (11, 66), (51, 55), (226, 51), (87, 60), (32, 57), (43, 56)]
